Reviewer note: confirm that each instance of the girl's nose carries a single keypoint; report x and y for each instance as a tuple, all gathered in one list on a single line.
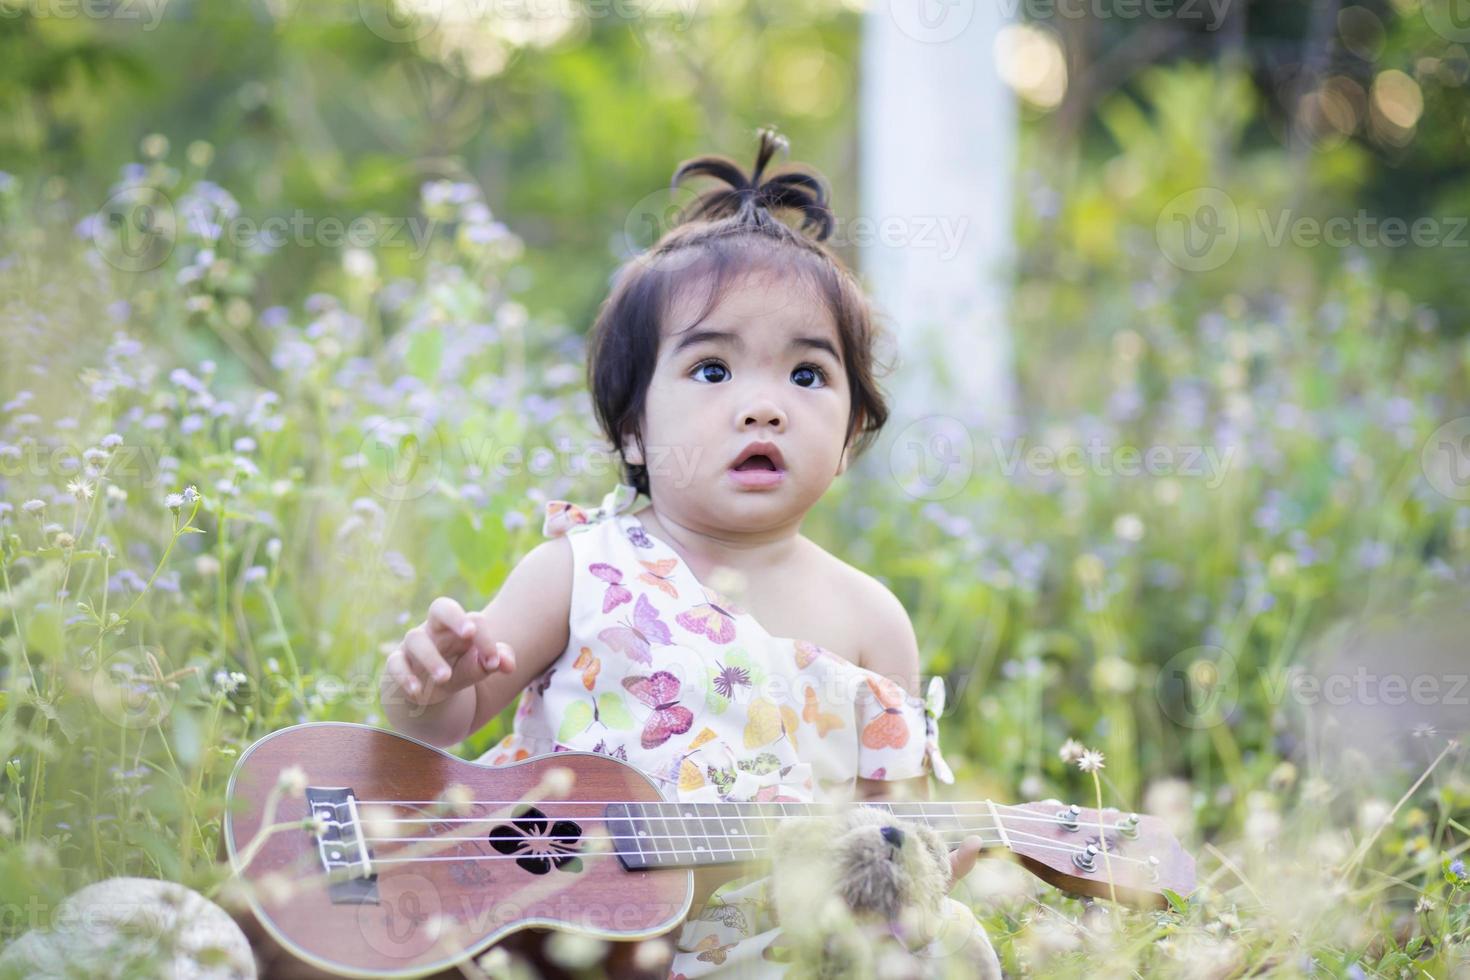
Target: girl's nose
[(764, 412)]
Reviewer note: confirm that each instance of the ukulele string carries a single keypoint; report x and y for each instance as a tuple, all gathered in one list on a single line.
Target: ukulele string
[(1039, 842), (674, 853), (1021, 814)]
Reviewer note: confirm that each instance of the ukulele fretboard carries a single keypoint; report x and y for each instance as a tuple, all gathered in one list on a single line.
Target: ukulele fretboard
[(675, 834)]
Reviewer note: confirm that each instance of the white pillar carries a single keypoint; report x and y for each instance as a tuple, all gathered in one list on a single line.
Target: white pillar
[(937, 140)]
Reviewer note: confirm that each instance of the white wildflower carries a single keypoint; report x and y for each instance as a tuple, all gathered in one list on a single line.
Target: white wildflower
[(1091, 761), (81, 489), (1129, 527), (229, 683), (1071, 751), (292, 781)]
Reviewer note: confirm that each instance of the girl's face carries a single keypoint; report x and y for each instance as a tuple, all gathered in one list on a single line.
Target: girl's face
[(764, 366)]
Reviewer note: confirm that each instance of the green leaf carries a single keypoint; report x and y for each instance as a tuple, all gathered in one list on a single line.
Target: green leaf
[(73, 715), (186, 738), (63, 711), (425, 352), (480, 552), (1180, 905), (43, 631)]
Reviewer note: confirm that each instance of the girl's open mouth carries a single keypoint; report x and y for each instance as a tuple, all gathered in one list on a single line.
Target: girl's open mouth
[(757, 471)]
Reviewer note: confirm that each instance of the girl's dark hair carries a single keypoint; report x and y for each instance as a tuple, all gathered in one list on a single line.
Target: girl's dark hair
[(723, 234)]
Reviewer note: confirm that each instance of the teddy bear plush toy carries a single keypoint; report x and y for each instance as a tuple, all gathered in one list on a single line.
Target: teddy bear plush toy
[(863, 893)]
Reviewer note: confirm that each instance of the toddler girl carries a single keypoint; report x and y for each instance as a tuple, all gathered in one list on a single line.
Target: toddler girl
[(685, 625)]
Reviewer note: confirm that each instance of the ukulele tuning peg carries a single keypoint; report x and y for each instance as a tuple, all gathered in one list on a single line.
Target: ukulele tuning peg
[(1128, 826), (1086, 859), (1068, 817)]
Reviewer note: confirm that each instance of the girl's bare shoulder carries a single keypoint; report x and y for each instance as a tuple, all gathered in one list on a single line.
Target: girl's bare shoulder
[(877, 630)]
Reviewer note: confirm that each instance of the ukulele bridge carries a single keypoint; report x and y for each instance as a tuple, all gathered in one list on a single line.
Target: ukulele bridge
[(347, 861)]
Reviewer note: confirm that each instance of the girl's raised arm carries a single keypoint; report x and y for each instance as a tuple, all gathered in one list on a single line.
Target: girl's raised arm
[(456, 670)]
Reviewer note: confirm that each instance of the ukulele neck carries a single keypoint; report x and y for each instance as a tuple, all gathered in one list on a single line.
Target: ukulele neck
[(681, 835)]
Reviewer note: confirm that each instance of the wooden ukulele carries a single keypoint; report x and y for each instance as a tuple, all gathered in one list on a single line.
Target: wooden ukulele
[(417, 860)]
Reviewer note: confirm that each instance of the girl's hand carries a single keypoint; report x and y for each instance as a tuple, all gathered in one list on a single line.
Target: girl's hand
[(962, 859), (449, 651)]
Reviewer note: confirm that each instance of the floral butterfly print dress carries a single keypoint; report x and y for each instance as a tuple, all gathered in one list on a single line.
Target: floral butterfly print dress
[(667, 674)]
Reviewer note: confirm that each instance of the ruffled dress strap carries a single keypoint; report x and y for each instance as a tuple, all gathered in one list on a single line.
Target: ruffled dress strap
[(562, 516), (933, 708)]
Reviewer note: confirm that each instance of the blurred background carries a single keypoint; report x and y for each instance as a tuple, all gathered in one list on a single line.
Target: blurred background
[(293, 298)]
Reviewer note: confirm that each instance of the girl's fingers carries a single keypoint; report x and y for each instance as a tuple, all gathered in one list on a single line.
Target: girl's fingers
[(962, 859), (507, 658), (447, 621), (425, 657), (482, 644), (402, 675)]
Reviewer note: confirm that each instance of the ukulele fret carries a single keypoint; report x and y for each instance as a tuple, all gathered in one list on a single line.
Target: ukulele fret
[(714, 830), (674, 836)]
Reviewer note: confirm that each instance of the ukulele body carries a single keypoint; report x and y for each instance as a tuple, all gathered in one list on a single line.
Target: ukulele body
[(478, 879)]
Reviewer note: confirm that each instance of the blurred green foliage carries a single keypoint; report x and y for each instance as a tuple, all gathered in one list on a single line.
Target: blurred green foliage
[(222, 556)]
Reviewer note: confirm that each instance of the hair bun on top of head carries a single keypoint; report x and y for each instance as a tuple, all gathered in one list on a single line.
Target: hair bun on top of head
[(750, 200)]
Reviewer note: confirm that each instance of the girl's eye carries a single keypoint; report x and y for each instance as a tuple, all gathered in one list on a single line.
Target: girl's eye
[(809, 370), (806, 376), (703, 366)]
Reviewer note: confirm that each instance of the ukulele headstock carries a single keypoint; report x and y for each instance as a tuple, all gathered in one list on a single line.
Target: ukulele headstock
[(1077, 848)]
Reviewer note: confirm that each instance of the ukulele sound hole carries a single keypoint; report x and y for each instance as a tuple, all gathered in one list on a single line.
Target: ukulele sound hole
[(539, 844)]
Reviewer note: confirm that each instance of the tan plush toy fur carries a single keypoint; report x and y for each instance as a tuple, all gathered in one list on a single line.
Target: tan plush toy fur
[(864, 894)]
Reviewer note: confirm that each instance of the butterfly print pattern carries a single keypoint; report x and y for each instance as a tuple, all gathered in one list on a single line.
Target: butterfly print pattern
[(675, 679), (713, 618), (616, 595), (660, 691), (635, 640)]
